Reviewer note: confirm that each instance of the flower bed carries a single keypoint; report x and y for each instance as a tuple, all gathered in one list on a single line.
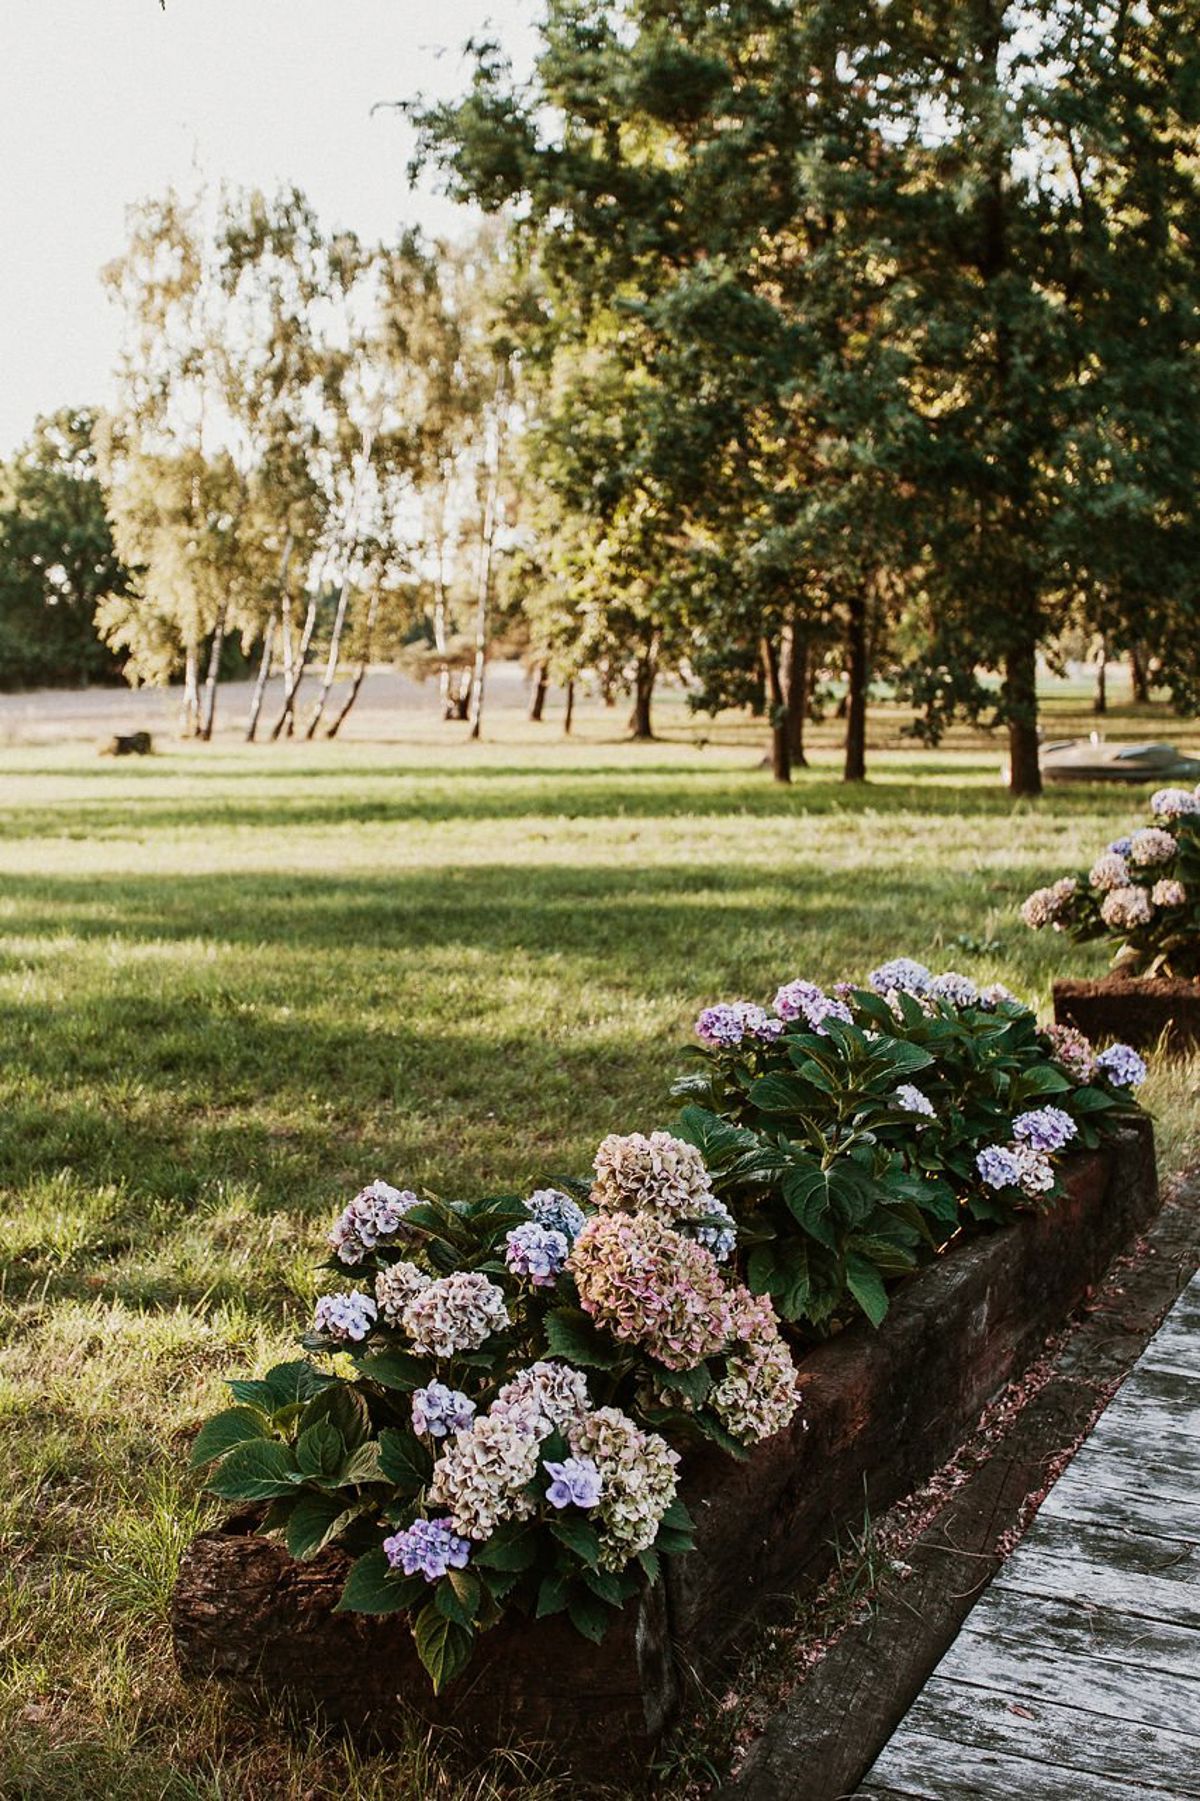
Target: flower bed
[(493, 1462)]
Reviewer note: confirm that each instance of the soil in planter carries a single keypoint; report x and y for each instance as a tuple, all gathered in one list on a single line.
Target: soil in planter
[(1135, 1010)]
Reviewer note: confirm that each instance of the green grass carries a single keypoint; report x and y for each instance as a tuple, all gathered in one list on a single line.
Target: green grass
[(234, 985)]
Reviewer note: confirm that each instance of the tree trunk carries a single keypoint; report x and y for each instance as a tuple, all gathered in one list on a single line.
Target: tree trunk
[(286, 722), (854, 768), (537, 700), (1138, 679), (331, 661), (1020, 684), (487, 545), (1100, 698), (191, 692), (781, 734), (794, 676), (640, 722), (209, 708), (364, 661), (569, 715), (260, 686)]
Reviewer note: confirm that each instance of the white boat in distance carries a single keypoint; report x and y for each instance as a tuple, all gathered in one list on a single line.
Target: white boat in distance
[(1092, 760)]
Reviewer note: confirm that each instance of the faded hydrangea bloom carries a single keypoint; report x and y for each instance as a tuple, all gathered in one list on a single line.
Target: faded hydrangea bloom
[(1123, 1067), (348, 1316), (912, 1100), (1035, 1172), (642, 1281), (427, 1548), (1126, 909), (455, 1313), (659, 1174), (1167, 892), (376, 1212), (637, 1476), (551, 1208), (1073, 1051), (1152, 846), (481, 1476), (995, 994), (804, 1000), (536, 1252), (726, 1025), (542, 1399), (1045, 1128), (760, 1390), (902, 975), (575, 1482), (1174, 803), (1048, 906), (1108, 872), (396, 1286), (439, 1411), (958, 990)]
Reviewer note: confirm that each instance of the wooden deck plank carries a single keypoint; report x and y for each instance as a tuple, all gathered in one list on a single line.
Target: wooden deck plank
[(1100, 1501), (1081, 1629), (1035, 1673), (1155, 1577), (1167, 1473), (919, 1772), (951, 1717)]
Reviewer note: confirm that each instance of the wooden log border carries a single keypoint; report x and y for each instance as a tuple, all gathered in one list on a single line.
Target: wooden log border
[(1136, 1011), (882, 1411)]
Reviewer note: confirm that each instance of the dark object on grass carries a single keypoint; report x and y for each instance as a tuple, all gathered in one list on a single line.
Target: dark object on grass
[(1135, 1010), (882, 1410), (1092, 760), (129, 744)]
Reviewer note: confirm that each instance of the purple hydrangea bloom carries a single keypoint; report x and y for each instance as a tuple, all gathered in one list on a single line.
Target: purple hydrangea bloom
[(902, 974), (910, 1098), (537, 1252), (551, 1208), (725, 1026), (1174, 803), (576, 1482), (376, 1212), (805, 1000), (1045, 1128), (1120, 847), (428, 1548), (998, 1168), (958, 990), (1123, 1067), (439, 1410), (348, 1316)]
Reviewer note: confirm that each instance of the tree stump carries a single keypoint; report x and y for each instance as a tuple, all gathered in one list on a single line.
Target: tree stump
[(129, 744)]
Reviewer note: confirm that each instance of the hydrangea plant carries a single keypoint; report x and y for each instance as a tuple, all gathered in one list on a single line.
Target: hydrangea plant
[(1142, 893)]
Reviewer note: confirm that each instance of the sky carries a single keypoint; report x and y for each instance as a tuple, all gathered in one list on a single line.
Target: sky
[(103, 102)]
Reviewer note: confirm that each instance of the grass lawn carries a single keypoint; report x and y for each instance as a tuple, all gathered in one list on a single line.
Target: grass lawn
[(234, 985)]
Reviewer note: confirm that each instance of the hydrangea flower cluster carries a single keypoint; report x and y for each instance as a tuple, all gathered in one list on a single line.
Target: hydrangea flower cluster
[(760, 1390), (902, 975), (1168, 893), (537, 1252), (909, 1099), (718, 1232), (376, 1212), (547, 1397), (957, 990), (1123, 1067), (396, 1286), (1017, 1165), (1174, 803), (647, 1283), (656, 1174), (575, 1482), (1045, 1128), (454, 1313), (1109, 872), (1126, 908), (806, 1001), (427, 1548), (551, 1208), (1073, 1051), (1049, 906), (437, 1410), (1151, 846), (637, 1481), (728, 1024), (348, 1316), (482, 1475)]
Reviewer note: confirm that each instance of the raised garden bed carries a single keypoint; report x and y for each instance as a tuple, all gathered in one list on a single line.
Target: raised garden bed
[(1136, 1010), (882, 1409)]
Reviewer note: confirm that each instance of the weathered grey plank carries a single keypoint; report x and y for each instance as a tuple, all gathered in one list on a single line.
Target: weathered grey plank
[(929, 1770), (1170, 1473), (1036, 1672), (1155, 1577), (1081, 1629), (950, 1716), (1095, 1499)]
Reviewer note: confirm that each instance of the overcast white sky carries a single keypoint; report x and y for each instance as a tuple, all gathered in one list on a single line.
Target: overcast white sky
[(105, 101)]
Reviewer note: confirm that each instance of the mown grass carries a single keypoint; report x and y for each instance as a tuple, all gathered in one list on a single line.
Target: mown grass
[(235, 984)]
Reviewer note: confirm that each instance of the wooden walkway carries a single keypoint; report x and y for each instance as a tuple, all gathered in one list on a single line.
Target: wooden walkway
[(1077, 1675)]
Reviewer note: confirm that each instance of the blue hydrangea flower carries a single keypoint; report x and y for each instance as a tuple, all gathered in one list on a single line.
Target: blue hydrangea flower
[(1120, 847), (903, 975), (719, 1230), (1122, 1065), (348, 1316), (576, 1482), (998, 1168), (726, 1025), (428, 1548), (911, 1099), (439, 1410), (551, 1208), (537, 1252), (959, 991), (805, 1000), (1045, 1128)]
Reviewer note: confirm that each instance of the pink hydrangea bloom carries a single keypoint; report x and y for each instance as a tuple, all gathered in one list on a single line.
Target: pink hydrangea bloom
[(645, 1282)]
